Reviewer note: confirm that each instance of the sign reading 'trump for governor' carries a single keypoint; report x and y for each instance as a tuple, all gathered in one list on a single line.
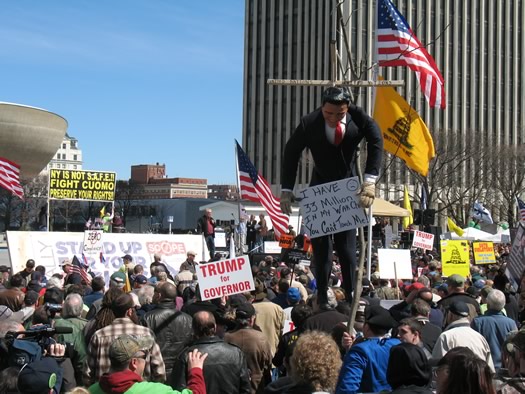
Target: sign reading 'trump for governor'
[(82, 185), (225, 277)]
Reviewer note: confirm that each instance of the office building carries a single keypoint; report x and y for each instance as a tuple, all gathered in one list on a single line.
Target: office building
[(478, 46)]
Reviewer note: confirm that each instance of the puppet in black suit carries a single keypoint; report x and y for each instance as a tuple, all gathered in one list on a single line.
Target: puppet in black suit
[(334, 159)]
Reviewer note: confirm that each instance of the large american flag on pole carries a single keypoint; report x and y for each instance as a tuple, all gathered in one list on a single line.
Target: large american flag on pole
[(254, 187), (397, 45), (10, 177)]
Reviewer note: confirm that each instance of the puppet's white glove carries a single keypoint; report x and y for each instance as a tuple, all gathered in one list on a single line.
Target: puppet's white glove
[(286, 202), (367, 194)]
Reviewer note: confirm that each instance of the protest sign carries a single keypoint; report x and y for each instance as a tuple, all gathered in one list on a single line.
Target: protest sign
[(423, 240), (288, 326), (51, 248), (82, 185), (394, 264), (225, 277), (455, 258), (484, 253), (331, 208), (92, 245), (286, 241)]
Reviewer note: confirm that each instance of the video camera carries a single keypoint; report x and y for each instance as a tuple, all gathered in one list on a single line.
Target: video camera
[(33, 343)]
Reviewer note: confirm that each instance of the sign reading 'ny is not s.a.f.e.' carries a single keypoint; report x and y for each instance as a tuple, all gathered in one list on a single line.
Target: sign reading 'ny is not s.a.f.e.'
[(82, 185), (332, 207)]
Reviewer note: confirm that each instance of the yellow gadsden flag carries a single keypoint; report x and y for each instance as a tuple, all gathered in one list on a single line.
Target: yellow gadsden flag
[(407, 220), (404, 132), (454, 227)]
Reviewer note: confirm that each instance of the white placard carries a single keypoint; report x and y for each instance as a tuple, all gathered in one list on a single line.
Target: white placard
[(392, 260), (272, 247), (331, 208), (225, 277), (288, 326), (423, 240), (93, 242), (220, 240)]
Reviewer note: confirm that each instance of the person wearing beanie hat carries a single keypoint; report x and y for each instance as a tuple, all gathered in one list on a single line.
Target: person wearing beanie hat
[(366, 362), (98, 362), (254, 345), (128, 356), (458, 332)]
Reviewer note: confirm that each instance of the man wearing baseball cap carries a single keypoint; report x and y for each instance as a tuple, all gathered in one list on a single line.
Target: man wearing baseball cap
[(459, 333), (456, 292), (128, 355), (254, 345)]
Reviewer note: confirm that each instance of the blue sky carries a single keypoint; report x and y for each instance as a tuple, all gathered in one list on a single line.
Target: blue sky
[(139, 81)]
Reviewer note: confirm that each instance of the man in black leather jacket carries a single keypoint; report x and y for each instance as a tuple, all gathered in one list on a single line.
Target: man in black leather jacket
[(172, 328), (225, 369)]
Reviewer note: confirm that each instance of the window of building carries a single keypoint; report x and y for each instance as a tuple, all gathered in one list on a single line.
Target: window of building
[(63, 166), (74, 157), (64, 145), (74, 166)]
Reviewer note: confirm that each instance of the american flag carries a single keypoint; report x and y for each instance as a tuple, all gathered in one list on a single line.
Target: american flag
[(397, 45), (78, 268), (10, 177), (521, 208), (255, 188)]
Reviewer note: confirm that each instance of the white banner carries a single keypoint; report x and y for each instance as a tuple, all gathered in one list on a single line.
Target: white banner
[(93, 243), (332, 208), (51, 248), (423, 240), (225, 277)]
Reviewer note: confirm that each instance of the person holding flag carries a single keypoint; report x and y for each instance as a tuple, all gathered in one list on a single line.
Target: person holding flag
[(332, 133)]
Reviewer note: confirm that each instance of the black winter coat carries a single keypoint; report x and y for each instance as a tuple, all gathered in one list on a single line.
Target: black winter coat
[(225, 370), (172, 330)]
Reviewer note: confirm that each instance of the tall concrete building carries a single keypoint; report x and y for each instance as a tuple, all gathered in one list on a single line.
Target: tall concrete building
[(478, 46)]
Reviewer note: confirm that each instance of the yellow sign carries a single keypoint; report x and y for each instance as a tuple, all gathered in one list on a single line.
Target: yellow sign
[(484, 252), (455, 258), (82, 185)]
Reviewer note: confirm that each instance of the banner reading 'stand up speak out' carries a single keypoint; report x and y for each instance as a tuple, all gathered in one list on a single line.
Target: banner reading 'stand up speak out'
[(82, 185)]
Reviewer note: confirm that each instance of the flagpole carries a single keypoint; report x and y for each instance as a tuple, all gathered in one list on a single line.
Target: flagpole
[(48, 212), (238, 186), (369, 246)]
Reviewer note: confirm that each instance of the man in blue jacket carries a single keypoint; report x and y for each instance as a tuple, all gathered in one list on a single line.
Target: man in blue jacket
[(494, 325), (365, 364)]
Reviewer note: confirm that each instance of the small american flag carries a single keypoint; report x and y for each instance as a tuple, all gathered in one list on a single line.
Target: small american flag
[(78, 268), (397, 45), (10, 177), (521, 208), (255, 188)]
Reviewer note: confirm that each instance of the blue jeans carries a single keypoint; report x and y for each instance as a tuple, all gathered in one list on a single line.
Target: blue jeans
[(210, 242)]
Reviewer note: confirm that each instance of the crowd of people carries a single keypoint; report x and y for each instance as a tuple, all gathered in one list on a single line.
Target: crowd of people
[(445, 335)]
